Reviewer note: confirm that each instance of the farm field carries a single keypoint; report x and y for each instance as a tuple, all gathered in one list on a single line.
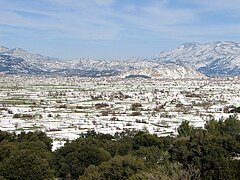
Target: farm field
[(66, 107)]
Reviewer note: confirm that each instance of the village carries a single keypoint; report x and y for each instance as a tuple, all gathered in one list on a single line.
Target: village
[(67, 107)]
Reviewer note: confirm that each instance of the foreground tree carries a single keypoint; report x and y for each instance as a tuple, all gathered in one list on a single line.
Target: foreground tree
[(72, 162), (120, 167), (25, 164), (185, 129)]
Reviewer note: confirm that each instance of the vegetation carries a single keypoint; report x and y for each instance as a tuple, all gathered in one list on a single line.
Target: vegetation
[(138, 76), (209, 153), (235, 110)]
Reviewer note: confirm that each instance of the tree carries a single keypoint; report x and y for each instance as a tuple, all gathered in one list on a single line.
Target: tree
[(185, 129), (152, 155), (73, 162), (135, 106), (147, 140), (6, 136), (119, 167), (25, 164), (172, 171), (232, 126), (35, 136), (214, 127), (120, 147), (6, 148)]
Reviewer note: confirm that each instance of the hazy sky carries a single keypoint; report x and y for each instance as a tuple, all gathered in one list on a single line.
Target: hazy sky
[(115, 28)]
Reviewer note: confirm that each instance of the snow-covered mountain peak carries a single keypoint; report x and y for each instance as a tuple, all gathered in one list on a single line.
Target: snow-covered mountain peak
[(220, 57), (19, 50), (188, 45), (3, 49), (214, 58)]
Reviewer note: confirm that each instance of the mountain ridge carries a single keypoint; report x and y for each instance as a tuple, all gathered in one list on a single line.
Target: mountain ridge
[(215, 58), (165, 72)]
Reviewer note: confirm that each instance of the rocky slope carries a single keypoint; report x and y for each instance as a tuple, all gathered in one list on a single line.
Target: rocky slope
[(168, 71), (215, 58)]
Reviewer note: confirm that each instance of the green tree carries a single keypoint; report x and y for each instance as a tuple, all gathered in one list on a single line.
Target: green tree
[(152, 155), (119, 167), (6, 136), (147, 140), (73, 162), (185, 129), (172, 171), (232, 126), (25, 164), (35, 136)]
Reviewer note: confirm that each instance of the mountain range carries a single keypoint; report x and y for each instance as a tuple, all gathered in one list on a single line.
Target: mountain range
[(215, 58), (190, 60)]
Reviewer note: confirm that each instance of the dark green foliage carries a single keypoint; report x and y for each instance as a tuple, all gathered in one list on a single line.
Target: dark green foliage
[(6, 136), (5, 149), (185, 129), (127, 134), (72, 159), (25, 164), (135, 106), (172, 171), (120, 147), (231, 126), (211, 150), (138, 76), (25, 156), (235, 110), (152, 155), (210, 153), (100, 136), (120, 167), (235, 165), (36, 136), (146, 140)]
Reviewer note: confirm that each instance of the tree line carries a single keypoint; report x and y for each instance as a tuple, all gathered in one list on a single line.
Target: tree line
[(196, 153)]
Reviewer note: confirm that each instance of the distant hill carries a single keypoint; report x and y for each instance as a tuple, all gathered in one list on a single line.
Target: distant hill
[(215, 58), (212, 59), (165, 72)]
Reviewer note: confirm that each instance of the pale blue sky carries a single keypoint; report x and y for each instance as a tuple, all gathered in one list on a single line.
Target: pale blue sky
[(115, 28)]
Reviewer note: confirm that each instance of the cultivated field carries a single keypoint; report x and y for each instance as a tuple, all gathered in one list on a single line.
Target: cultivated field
[(65, 107)]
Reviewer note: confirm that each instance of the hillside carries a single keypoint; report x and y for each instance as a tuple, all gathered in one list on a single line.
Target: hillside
[(166, 72), (212, 59), (215, 58)]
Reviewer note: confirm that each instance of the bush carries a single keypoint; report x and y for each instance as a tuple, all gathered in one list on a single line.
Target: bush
[(136, 114), (135, 106)]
